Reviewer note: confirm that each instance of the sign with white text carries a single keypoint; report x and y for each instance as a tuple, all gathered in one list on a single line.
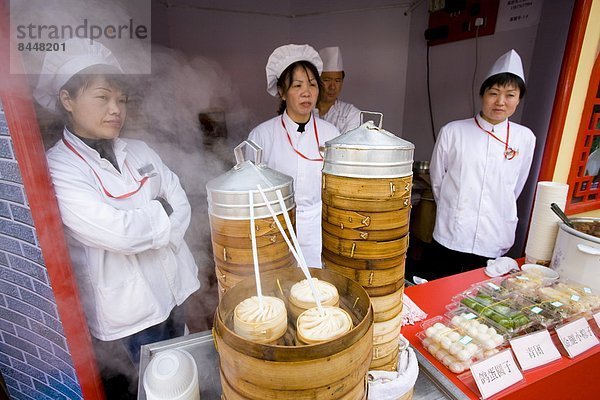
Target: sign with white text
[(496, 373), (534, 350)]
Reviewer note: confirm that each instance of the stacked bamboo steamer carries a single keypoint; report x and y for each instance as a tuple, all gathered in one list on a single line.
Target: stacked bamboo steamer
[(229, 214), (367, 180), (336, 369)]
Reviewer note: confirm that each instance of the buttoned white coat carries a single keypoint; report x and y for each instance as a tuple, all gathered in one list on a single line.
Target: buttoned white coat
[(130, 259)]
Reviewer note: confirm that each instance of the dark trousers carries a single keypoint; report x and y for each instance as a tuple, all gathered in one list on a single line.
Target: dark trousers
[(441, 261), (118, 360)]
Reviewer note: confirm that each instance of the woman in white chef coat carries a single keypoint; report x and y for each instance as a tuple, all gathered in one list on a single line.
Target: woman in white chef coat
[(292, 140), (124, 212), (478, 169)]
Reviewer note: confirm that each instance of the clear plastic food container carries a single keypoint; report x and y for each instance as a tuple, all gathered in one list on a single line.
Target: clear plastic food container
[(487, 333), (570, 298), (523, 282), (543, 313), (493, 287), (449, 345), (501, 311)]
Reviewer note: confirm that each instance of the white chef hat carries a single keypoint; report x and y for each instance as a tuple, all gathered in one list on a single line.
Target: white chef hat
[(283, 56), (332, 59), (508, 62), (60, 66)]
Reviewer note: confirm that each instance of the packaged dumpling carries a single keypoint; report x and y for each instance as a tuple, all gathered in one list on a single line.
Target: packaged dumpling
[(313, 327), (301, 296), (258, 325)]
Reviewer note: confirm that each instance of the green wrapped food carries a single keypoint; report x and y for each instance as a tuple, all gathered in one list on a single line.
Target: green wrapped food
[(496, 310)]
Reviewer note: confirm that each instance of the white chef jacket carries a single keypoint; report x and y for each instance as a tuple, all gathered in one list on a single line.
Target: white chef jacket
[(130, 259), (476, 187), (343, 115), (279, 155)]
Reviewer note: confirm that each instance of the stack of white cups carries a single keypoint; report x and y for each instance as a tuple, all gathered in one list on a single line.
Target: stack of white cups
[(544, 223)]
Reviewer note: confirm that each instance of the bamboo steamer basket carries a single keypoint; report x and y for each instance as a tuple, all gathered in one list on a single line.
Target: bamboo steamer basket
[(382, 304), (239, 228), (336, 369), (385, 359), (387, 330), (357, 234), (230, 393), (408, 395), (226, 279), (369, 278), (362, 264), (364, 204), (246, 242), (366, 189), (229, 215), (385, 349), (365, 220), (387, 315), (242, 269), (389, 306), (365, 250), (234, 255), (384, 290)]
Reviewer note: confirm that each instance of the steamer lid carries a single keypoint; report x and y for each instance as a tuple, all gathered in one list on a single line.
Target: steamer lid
[(228, 193), (369, 152)]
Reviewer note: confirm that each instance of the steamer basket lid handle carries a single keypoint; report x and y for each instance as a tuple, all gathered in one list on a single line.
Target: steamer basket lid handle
[(362, 114), (239, 153)]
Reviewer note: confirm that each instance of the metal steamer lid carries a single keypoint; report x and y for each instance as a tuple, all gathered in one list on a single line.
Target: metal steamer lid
[(369, 152), (228, 194)]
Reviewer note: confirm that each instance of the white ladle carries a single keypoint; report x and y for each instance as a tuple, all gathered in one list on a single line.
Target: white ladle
[(295, 249), (255, 251)]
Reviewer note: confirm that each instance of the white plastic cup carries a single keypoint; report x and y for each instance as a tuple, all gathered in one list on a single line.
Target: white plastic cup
[(172, 375)]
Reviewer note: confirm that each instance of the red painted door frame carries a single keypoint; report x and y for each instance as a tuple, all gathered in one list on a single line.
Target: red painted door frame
[(29, 152), (566, 80)]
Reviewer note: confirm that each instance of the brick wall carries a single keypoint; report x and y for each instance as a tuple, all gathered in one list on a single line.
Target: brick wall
[(34, 357)]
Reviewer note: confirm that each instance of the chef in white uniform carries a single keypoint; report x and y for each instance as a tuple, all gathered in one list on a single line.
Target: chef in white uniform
[(124, 213), (478, 169), (292, 141), (343, 115)]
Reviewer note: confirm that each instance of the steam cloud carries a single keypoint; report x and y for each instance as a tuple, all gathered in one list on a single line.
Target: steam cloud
[(164, 112)]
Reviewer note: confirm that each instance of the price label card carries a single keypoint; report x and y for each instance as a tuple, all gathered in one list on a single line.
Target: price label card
[(534, 350), (597, 318), (470, 316), (496, 373), (466, 340), (577, 337)]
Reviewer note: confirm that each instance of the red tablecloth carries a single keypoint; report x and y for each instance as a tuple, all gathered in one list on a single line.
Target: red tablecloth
[(577, 378)]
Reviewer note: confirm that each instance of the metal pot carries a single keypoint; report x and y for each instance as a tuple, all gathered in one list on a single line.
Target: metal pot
[(577, 255), (228, 194), (369, 152)]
